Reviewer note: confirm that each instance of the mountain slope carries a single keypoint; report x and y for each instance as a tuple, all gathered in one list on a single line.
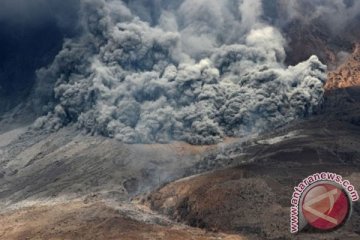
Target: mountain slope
[(347, 74)]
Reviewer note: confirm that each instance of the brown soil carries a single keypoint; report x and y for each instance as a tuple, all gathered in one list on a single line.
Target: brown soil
[(253, 199), (249, 200), (348, 74), (77, 220)]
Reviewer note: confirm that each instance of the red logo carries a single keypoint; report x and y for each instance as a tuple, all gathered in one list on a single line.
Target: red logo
[(325, 206)]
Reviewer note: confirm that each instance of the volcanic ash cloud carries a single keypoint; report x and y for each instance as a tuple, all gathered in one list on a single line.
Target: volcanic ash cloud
[(195, 76)]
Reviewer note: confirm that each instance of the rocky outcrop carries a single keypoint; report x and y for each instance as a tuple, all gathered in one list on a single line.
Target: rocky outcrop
[(347, 74)]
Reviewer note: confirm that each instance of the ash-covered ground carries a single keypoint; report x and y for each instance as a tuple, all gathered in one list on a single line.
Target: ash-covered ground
[(241, 188), (173, 119)]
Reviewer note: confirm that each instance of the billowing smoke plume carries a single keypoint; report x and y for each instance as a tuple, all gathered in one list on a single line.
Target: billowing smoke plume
[(195, 71), (337, 14)]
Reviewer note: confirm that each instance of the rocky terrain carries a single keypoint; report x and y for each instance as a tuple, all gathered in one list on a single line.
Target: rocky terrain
[(254, 198), (348, 73), (95, 220), (58, 184), (66, 183), (71, 164)]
